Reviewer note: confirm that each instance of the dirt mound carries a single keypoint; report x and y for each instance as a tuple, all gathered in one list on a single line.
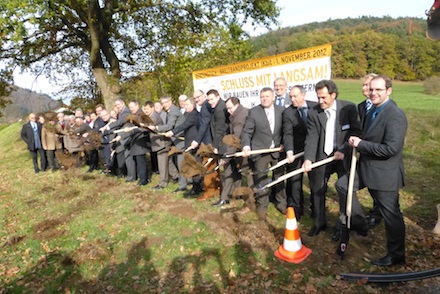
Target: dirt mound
[(190, 167), (232, 141), (206, 150)]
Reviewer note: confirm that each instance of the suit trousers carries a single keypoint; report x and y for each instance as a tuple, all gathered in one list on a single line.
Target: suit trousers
[(131, 166), (388, 202), (182, 180), (141, 167), (294, 188), (319, 191), (162, 165), (51, 159), (120, 159), (261, 179), (231, 179), (34, 156), (357, 220), (172, 169)]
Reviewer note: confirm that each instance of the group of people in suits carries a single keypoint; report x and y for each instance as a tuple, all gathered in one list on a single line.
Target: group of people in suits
[(327, 129), (333, 129)]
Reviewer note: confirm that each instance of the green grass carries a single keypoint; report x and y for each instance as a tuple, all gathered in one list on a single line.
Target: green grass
[(88, 233)]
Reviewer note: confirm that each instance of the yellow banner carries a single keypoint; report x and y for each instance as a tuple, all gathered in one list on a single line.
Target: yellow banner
[(270, 61)]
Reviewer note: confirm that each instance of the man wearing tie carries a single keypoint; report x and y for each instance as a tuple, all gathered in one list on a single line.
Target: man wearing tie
[(329, 126), (294, 135), (373, 217), (263, 129), (31, 134), (282, 97), (380, 167)]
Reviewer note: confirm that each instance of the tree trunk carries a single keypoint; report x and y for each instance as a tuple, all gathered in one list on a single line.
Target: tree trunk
[(110, 90)]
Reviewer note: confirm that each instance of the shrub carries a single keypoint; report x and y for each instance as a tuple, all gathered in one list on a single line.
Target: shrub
[(432, 85)]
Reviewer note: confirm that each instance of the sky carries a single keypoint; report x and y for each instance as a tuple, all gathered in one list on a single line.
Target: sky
[(295, 13)]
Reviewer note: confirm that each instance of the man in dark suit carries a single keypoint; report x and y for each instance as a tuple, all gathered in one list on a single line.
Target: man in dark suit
[(189, 129), (219, 128), (203, 134), (138, 145), (231, 177), (263, 129), (282, 97), (373, 217), (294, 135), (173, 118), (380, 166), (31, 135), (329, 125), (121, 152)]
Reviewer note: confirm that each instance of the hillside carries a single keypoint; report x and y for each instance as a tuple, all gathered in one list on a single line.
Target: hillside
[(24, 101), (395, 47)]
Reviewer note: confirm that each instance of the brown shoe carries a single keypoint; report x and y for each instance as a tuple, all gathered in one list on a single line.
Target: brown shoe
[(205, 196), (244, 210)]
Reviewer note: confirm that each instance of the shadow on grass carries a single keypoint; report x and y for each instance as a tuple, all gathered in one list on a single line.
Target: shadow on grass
[(58, 271)]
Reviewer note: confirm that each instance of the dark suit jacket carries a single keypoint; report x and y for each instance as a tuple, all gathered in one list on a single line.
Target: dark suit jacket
[(380, 162), (257, 134), (204, 132), (188, 127), (27, 135), (362, 108), (139, 139), (347, 124), (294, 128), (219, 123)]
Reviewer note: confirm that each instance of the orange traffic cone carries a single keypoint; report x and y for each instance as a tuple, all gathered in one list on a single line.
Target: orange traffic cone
[(292, 249)]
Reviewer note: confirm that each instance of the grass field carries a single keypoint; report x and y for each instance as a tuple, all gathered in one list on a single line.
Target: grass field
[(76, 232)]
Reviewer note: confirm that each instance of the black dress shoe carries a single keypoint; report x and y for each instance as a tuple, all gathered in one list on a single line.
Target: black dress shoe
[(158, 187), (194, 192), (363, 231), (175, 180), (179, 190), (315, 230), (336, 235), (372, 221), (389, 260), (221, 202), (143, 183)]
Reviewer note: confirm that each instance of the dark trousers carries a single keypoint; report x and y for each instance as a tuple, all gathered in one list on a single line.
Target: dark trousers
[(319, 191), (388, 202), (231, 179), (104, 154), (43, 161), (51, 159), (154, 162), (261, 179), (294, 189), (93, 161), (141, 167), (357, 220)]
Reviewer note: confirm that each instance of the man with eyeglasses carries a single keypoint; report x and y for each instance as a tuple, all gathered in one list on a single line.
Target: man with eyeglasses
[(380, 167), (31, 135)]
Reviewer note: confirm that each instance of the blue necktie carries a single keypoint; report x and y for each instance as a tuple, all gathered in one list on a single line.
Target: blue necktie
[(280, 101), (368, 105), (303, 113)]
